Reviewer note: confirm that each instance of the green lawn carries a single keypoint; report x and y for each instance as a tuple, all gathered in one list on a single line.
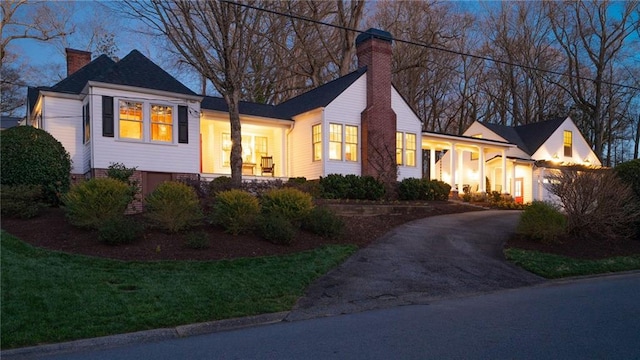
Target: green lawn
[(552, 266), (50, 297)]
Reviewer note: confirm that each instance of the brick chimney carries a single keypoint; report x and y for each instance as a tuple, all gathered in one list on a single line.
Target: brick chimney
[(378, 120), (76, 59)]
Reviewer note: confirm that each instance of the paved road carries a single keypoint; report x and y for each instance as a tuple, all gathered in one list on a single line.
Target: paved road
[(435, 257), (586, 319)]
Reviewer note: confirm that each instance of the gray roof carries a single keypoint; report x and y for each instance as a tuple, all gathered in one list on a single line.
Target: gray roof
[(316, 98), (134, 69), (528, 137)]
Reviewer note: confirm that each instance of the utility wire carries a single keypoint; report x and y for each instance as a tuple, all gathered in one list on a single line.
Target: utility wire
[(410, 42)]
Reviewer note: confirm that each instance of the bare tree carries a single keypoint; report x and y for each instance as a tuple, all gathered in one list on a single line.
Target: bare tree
[(215, 38), (592, 40)]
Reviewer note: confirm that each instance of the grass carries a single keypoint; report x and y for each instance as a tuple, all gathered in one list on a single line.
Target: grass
[(552, 266), (50, 297)]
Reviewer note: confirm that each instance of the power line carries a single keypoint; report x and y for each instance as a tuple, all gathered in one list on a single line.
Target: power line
[(410, 42)]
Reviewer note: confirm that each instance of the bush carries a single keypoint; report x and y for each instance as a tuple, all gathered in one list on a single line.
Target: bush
[(542, 222), (235, 210), (197, 240), (22, 201), (119, 171), (423, 189), (276, 228), (312, 187), (120, 230), (323, 222), (94, 202), (220, 184), (32, 156), (173, 207), (337, 186), (629, 172), (294, 204)]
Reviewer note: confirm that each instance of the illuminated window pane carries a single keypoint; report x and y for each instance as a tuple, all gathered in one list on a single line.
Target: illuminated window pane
[(260, 147), (399, 148), (411, 150), (568, 142), (351, 143), (161, 123), (316, 131), (335, 141), (226, 149), (130, 119)]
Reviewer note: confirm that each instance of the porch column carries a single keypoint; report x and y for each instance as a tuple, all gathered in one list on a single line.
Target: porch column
[(483, 183), (504, 171), (512, 184), (452, 167), (460, 170), (432, 163)]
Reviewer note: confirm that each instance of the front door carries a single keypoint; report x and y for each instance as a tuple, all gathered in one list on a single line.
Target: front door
[(517, 192)]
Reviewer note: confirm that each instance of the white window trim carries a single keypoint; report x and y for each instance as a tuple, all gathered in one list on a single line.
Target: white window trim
[(146, 121)]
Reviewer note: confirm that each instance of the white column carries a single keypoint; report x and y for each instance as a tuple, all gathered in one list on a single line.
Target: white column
[(452, 167), (481, 164), (504, 171), (460, 170), (512, 184), (432, 163)]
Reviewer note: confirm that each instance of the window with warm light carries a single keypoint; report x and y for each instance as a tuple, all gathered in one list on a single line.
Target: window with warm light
[(260, 147), (86, 127), (410, 151), (316, 131), (335, 142), (568, 143), (351, 143), (226, 149), (399, 148), (131, 119), (161, 123), (253, 149)]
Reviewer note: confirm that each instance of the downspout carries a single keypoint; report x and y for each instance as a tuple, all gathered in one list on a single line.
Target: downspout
[(92, 134)]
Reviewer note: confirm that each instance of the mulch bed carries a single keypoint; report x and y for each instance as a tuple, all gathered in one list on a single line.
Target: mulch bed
[(52, 231)]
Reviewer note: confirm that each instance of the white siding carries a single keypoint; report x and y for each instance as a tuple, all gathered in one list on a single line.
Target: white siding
[(407, 122), (554, 145), (146, 156), (62, 118), (300, 147), (346, 109)]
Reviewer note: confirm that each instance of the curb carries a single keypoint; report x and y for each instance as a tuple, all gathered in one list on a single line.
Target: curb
[(141, 337)]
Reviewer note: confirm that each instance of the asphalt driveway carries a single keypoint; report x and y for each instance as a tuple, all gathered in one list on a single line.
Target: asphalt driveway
[(432, 258)]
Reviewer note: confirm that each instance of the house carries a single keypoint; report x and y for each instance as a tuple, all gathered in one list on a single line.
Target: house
[(135, 113), (514, 160), (9, 121)]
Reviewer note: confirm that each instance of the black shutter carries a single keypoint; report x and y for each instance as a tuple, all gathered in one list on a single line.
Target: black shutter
[(84, 124), (107, 116), (183, 124)]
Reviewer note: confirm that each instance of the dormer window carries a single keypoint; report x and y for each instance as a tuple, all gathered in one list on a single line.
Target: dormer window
[(568, 143)]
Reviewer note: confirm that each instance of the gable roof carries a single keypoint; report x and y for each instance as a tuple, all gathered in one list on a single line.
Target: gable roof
[(134, 69), (313, 99), (528, 137)]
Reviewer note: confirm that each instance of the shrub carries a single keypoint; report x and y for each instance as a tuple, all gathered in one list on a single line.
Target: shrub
[(22, 201), (276, 228), (198, 240), (173, 207), (119, 171), (294, 204), (220, 184), (423, 189), (337, 186), (629, 172), (94, 202), (323, 222), (542, 221), (598, 204), (311, 187), (235, 210), (32, 156), (120, 230)]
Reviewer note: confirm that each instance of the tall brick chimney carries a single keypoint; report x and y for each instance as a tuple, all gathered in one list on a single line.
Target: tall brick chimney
[(76, 59), (378, 120)]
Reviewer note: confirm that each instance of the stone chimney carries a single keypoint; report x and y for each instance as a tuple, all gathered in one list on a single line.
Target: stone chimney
[(76, 59), (378, 120)]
